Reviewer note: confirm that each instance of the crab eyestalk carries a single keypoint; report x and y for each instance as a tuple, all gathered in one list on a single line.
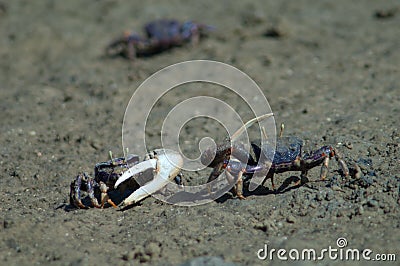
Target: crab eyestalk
[(230, 146), (248, 124)]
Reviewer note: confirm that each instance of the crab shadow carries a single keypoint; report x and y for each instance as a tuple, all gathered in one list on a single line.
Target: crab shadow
[(287, 185), (197, 197)]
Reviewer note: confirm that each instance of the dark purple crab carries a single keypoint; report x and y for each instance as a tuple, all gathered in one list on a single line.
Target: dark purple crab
[(161, 35), (117, 173), (288, 157), (105, 176)]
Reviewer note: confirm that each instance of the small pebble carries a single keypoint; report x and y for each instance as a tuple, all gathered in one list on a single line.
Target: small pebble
[(372, 203), (266, 226), (291, 219), (330, 196), (348, 145), (360, 210), (337, 188), (152, 249), (319, 197), (11, 243), (313, 205), (128, 256), (7, 223), (144, 258)]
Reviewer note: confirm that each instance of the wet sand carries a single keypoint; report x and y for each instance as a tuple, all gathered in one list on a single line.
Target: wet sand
[(329, 69)]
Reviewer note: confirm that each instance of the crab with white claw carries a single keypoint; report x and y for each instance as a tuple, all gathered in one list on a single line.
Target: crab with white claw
[(288, 156), (165, 165)]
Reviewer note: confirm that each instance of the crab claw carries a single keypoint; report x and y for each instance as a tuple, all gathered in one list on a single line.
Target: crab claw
[(166, 164)]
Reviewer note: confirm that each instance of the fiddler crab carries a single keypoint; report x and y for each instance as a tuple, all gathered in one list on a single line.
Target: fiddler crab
[(164, 165), (238, 164), (161, 35)]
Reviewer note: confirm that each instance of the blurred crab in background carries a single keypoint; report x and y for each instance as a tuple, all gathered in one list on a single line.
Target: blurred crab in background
[(161, 35), (118, 173)]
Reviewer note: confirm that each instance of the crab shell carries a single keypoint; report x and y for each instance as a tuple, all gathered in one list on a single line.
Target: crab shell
[(166, 164)]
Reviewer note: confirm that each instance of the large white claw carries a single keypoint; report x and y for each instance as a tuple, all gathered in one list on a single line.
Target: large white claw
[(167, 166), (135, 170)]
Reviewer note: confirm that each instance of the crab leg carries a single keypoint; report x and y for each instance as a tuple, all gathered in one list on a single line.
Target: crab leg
[(104, 196), (325, 164), (239, 186), (75, 192), (341, 163), (324, 168)]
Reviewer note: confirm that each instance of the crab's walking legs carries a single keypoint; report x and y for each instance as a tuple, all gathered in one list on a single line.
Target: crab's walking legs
[(104, 196), (341, 163)]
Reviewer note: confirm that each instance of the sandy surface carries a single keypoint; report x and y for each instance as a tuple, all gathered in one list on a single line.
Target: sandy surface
[(330, 70)]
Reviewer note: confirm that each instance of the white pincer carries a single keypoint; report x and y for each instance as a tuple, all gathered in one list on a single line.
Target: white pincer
[(166, 165)]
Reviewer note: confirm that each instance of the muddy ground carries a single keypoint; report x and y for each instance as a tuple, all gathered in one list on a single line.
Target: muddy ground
[(330, 70)]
